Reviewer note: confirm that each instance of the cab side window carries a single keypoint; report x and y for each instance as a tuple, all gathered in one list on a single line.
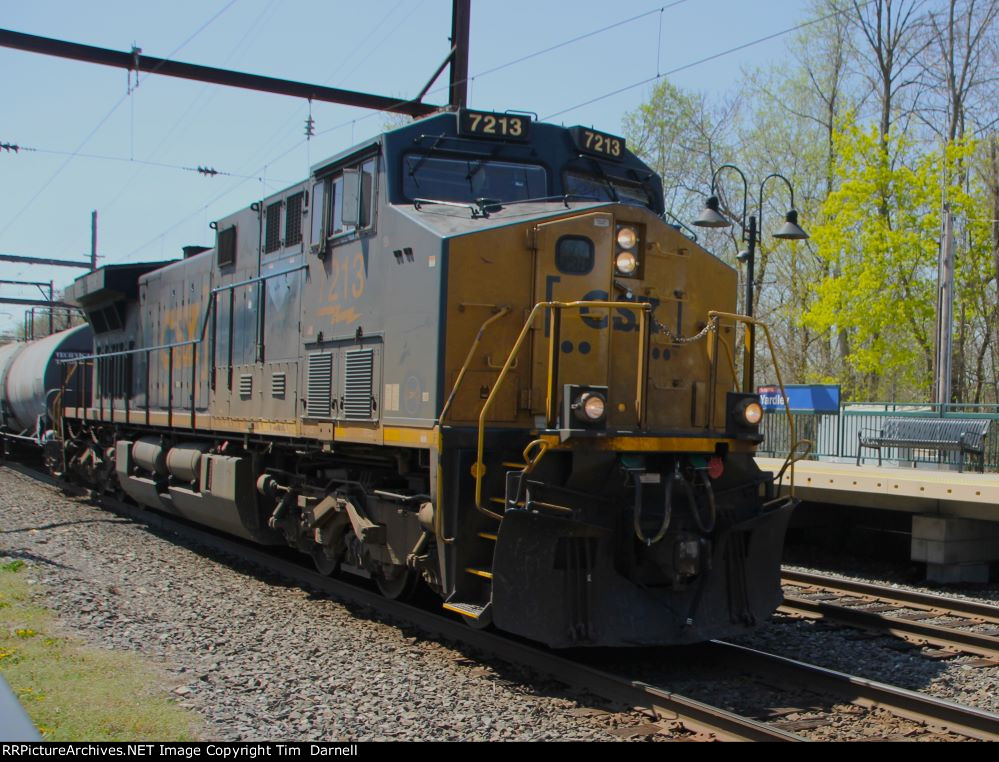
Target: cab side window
[(334, 194)]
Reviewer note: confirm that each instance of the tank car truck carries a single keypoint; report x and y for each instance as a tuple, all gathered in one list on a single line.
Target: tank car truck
[(470, 354)]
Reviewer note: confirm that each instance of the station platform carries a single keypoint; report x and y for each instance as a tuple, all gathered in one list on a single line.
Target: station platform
[(914, 490), (955, 516)]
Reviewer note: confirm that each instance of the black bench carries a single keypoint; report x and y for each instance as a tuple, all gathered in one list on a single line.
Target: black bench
[(943, 434)]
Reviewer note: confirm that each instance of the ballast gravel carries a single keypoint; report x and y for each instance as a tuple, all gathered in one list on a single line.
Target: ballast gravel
[(259, 659)]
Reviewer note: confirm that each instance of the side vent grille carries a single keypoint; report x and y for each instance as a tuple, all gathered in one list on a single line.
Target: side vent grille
[(293, 220), (272, 230), (320, 385), (358, 383), (245, 384), (226, 246), (278, 384)]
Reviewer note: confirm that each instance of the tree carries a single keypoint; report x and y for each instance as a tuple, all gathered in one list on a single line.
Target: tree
[(885, 294)]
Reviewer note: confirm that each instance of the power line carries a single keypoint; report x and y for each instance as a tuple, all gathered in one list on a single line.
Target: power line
[(194, 102), (202, 170), (595, 32), (529, 56), (700, 61), (101, 123)]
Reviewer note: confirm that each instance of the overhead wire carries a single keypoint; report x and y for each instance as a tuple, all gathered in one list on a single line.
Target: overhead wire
[(195, 102), (104, 120), (355, 120), (659, 9), (255, 174), (706, 59), (521, 59), (202, 170)]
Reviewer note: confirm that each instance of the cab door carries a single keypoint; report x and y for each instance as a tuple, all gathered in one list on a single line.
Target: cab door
[(572, 263)]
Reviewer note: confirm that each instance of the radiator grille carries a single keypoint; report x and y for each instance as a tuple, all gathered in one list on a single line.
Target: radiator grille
[(278, 384), (226, 246), (272, 231), (245, 384), (293, 220), (358, 383), (320, 385)]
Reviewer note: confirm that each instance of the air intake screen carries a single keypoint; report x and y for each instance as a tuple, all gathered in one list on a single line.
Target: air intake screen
[(293, 220), (359, 378), (272, 234), (227, 247), (320, 385), (278, 384)]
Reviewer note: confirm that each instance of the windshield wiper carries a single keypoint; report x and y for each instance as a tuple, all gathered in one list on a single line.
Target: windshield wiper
[(424, 157), (603, 176)]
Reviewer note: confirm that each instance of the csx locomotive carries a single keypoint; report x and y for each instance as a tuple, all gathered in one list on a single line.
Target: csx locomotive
[(469, 353)]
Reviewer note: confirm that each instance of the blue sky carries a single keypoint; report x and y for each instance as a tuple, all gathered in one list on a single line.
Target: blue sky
[(150, 206)]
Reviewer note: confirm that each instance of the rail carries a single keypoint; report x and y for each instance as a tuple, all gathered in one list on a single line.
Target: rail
[(553, 311), (100, 359)]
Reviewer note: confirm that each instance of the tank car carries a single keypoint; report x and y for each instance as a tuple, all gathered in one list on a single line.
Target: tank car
[(30, 380), (469, 353)]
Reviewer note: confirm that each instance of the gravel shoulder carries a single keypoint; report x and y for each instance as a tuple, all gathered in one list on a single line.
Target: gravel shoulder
[(261, 660)]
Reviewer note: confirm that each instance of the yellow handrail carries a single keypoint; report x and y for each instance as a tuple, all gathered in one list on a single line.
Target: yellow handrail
[(750, 324), (499, 312), (645, 310)]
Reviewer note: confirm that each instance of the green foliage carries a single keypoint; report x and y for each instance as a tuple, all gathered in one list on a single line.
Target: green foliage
[(12, 566), (879, 233), (74, 692)]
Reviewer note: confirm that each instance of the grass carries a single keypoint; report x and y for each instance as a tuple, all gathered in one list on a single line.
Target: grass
[(74, 692)]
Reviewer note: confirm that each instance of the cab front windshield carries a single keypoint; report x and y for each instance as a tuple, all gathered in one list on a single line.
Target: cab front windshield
[(605, 189), (469, 180)]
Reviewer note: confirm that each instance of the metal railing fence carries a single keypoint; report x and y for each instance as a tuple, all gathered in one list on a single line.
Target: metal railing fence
[(835, 436)]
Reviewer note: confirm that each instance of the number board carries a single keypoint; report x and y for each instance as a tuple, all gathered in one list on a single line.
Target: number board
[(598, 143), (483, 124)]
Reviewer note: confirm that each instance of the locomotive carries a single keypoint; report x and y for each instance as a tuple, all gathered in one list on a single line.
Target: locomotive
[(468, 354)]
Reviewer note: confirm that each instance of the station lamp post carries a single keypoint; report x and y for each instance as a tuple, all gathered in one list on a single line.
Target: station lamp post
[(711, 217)]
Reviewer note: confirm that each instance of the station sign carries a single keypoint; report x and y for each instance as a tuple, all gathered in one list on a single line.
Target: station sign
[(801, 398)]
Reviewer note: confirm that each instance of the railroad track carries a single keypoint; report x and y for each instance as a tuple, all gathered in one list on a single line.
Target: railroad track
[(933, 715), (951, 624), (672, 711)]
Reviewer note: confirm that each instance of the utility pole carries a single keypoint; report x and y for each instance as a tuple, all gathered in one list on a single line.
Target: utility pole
[(945, 310), (460, 24)]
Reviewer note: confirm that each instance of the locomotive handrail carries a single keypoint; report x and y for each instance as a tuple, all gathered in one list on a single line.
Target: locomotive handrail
[(500, 311), (645, 311), (209, 316), (751, 323), (212, 302)]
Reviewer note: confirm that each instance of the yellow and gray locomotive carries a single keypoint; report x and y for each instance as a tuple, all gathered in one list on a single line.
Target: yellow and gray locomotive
[(468, 354)]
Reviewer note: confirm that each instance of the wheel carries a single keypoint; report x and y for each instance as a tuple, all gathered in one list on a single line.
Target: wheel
[(396, 582), (323, 563)]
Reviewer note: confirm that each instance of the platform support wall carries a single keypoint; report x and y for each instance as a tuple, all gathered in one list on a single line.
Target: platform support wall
[(955, 550)]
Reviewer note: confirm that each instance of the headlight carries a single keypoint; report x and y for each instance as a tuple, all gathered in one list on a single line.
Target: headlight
[(753, 413), (584, 407), (627, 238), (590, 407), (593, 406), (743, 413), (626, 262)]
